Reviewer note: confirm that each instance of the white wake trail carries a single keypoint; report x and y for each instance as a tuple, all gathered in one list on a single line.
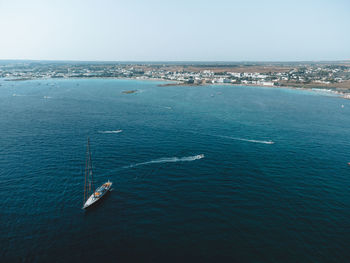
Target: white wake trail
[(117, 131), (245, 140), (168, 160), (236, 138)]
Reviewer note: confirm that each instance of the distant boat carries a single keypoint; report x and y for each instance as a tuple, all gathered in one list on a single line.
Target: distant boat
[(89, 187)]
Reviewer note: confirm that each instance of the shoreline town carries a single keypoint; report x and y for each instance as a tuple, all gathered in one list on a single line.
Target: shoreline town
[(332, 77)]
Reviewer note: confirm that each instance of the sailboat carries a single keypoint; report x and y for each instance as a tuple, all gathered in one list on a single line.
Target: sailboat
[(92, 195)]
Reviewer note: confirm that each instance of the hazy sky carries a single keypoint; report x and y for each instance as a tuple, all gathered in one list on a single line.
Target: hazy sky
[(180, 30)]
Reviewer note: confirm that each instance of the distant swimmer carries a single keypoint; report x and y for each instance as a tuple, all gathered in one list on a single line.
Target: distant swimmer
[(349, 163)]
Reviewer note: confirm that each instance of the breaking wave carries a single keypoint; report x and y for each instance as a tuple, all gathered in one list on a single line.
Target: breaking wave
[(168, 160), (116, 131)]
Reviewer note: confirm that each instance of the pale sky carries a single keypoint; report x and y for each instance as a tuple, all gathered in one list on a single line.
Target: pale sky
[(178, 30)]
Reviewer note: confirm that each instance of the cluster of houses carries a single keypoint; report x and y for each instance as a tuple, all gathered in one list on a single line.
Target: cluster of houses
[(323, 74)]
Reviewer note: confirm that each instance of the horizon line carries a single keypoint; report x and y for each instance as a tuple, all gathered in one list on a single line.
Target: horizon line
[(176, 61)]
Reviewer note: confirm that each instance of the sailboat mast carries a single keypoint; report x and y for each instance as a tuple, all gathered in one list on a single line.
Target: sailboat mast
[(86, 193), (90, 169)]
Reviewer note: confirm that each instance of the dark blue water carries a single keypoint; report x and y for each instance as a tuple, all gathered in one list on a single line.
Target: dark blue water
[(247, 200)]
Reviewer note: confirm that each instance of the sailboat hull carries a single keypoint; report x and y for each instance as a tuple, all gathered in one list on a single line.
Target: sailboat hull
[(98, 194)]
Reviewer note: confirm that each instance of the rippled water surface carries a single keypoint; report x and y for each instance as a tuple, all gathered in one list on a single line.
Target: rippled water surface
[(211, 173)]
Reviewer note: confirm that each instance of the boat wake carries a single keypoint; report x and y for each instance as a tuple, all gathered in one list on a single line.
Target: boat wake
[(168, 160), (105, 132), (245, 140), (235, 138)]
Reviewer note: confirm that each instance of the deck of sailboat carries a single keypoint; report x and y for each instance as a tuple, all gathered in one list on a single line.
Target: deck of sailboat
[(98, 194)]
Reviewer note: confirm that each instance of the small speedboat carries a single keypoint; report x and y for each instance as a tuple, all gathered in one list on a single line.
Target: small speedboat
[(98, 194)]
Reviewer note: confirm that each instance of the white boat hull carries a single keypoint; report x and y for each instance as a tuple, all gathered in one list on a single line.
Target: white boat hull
[(98, 194)]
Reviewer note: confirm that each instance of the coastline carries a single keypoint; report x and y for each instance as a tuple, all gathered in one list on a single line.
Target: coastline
[(345, 95), (313, 88)]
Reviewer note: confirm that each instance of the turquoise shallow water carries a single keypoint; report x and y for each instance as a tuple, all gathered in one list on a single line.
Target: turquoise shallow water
[(247, 200)]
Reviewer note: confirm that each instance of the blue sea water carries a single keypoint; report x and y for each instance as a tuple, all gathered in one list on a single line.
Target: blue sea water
[(273, 185)]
